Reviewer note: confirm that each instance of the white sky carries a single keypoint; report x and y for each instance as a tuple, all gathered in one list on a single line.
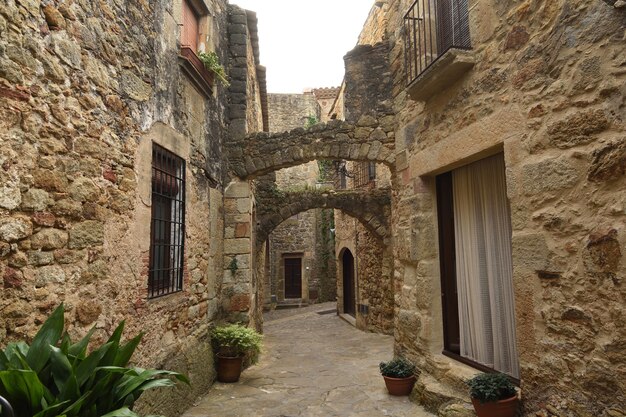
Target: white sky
[(302, 43)]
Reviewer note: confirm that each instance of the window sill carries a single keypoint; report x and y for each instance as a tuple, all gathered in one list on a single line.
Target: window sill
[(476, 365), (202, 78), (440, 74)]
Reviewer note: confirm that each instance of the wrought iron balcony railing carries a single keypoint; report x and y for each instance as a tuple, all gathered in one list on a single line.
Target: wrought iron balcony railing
[(431, 27)]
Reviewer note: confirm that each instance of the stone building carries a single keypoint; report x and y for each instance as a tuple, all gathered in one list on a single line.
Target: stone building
[(513, 113), (500, 244), (113, 172), (301, 266)]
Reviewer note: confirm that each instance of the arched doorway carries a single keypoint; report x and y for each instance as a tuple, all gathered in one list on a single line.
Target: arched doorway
[(348, 283)]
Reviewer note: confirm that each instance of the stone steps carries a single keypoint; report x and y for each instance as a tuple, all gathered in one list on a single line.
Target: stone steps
[(441, 399), (296, 303)]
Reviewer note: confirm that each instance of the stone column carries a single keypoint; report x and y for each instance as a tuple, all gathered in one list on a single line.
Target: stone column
[(237, 291)]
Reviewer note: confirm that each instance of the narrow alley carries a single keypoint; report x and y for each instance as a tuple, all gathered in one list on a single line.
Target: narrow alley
[(314, 364)]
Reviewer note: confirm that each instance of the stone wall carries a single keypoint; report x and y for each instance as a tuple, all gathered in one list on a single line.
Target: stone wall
[(547, 89), (373, 274), (85, 89), (290, 111), (248, 113)]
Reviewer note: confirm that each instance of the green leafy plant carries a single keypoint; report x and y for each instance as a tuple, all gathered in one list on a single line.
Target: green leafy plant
[(233, 266), (310, 122), (491, 387), (236, 340), (56, 377), (398, 368), (212, 63)]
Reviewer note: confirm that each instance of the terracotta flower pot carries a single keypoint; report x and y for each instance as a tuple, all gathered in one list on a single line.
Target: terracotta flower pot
[(399, 386), (229, 368), (502, 408)]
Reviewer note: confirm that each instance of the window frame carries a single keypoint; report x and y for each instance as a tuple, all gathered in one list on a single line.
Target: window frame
[(167, 223), (448, 278)]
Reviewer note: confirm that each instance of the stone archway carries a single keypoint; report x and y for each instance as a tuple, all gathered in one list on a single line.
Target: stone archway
[(369, 139)]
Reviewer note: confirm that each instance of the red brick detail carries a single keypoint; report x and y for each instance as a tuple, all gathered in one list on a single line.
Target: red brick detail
[(14, 94), (12, 278), (242, 230), (44, 218), (109, 174), (240, 302)]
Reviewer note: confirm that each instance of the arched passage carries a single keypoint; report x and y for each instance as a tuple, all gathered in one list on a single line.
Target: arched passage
[(349, 282), (370, 139), (372, 208)]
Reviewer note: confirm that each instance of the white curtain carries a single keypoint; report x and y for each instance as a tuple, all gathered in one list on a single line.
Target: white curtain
[(483, 263)]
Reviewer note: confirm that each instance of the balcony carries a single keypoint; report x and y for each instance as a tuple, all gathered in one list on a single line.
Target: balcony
[(201, 77), (437, 45)]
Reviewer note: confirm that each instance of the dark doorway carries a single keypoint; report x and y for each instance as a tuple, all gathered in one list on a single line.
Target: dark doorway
[(293, 277), (348, 283)]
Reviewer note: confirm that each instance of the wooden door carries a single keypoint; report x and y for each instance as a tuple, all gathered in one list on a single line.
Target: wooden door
[(293, 277), (348, 283)]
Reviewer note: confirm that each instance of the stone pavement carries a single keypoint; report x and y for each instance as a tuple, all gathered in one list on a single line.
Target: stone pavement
[(312, 365)]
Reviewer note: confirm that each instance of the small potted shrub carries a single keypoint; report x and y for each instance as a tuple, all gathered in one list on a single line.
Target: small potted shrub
[(493, 395), (400, 376), (233, 343)]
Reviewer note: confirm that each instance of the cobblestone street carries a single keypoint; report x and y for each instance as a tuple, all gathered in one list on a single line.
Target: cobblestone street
[(313, 365)]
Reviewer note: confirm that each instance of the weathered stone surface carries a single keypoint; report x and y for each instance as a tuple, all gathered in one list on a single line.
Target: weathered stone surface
[(86, 234), (49, 275), (88, 311), (15, 228), (548, 175), (518, 36), (49, 239), (609, 162), (35, 200), (577, 129), (10, 197), (53, 17), (603, 252)]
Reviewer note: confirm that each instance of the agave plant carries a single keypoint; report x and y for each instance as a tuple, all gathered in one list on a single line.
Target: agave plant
[(54, 377)]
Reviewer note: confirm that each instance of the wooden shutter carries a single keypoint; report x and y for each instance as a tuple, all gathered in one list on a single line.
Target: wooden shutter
[(191, 27)]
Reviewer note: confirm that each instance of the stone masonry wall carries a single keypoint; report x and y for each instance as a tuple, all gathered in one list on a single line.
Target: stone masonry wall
[(85, 89), (289, 111), (548, 90)]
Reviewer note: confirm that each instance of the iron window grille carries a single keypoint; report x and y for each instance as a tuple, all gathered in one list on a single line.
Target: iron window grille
[(364, 174), (431, 28), (167, 231)]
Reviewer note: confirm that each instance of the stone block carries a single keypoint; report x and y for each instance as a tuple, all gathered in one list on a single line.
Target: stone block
[(86, 234), (35, 200), (10, 197), (548, 175), (51, 274), (608, 162), (15, 228), (237, 246), (48, 239), (237, 189), (577, 129)]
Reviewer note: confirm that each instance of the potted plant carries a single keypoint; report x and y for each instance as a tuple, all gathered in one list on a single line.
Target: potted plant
[(233, 343), (493, 395), (400, 376)]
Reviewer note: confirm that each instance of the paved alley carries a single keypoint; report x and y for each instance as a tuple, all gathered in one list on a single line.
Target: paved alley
[(313, 365)]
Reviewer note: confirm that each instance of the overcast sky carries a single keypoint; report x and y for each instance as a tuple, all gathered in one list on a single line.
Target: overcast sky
[(302, 43)]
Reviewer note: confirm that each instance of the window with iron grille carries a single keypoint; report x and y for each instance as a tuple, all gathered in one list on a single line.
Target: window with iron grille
[(167, 230), (432, 27), (364, 173)]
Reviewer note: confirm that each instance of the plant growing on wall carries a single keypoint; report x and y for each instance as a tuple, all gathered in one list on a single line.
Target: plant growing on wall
[(233, 266), (310, 122), (55, 377), (212, 63)]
